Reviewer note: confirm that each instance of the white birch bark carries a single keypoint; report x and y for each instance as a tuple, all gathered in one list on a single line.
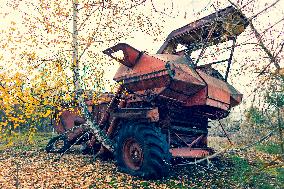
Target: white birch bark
[(99, 134)]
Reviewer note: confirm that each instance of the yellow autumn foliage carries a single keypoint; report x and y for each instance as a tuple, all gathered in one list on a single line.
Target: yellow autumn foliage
[(32, 94)]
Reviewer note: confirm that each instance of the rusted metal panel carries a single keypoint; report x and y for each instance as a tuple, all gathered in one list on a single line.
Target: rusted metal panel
[(137, 113), (236, 96), (112, 105), (115, 120), (197, 99), (221, 92), (229, 23), (174, 95), (217, 104), (131, 55), (148, 81), (75, 133), (145, 65), (166, 57), (188, 152), (185, 80), (66, 119), (174, 77), (217, 89)]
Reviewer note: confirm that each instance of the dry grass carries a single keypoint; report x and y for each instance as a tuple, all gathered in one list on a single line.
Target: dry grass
[(31, 167)]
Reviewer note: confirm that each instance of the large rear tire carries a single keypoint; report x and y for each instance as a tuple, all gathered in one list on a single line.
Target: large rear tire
[(142, 150)]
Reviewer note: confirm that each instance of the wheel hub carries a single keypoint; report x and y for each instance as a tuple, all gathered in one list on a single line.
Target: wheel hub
[(132, 154), (58, 144)]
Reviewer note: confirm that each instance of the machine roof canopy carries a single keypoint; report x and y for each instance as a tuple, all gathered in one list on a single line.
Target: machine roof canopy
[(215, 28)]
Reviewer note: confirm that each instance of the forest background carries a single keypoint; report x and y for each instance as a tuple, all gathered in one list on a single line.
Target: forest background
[(37, 68)]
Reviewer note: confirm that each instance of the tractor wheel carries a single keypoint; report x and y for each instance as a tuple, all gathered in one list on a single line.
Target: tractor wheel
[(58, 144), (142, 150)]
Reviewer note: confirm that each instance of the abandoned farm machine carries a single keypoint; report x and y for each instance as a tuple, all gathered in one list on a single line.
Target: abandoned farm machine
[(161, 110)]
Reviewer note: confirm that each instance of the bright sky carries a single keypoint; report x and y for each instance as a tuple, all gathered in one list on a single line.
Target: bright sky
[(176, 15)]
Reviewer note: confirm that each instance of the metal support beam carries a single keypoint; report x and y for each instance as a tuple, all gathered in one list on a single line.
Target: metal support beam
[(230, 59)]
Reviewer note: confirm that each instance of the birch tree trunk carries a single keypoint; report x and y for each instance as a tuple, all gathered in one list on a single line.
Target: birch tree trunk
[(99, 134)]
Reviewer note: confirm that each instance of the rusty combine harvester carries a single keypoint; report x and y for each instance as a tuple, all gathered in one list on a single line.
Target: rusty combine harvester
[(170, 98)]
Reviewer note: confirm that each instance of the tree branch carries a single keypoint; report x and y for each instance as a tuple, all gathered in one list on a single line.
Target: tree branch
[(92, 41), (280, 50), (155, 9), (261, 43), (87, 18), (273, 4), (135, 5)]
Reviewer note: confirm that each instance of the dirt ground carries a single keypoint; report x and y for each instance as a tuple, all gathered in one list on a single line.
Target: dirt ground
[(31, 167), (37, 169)]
